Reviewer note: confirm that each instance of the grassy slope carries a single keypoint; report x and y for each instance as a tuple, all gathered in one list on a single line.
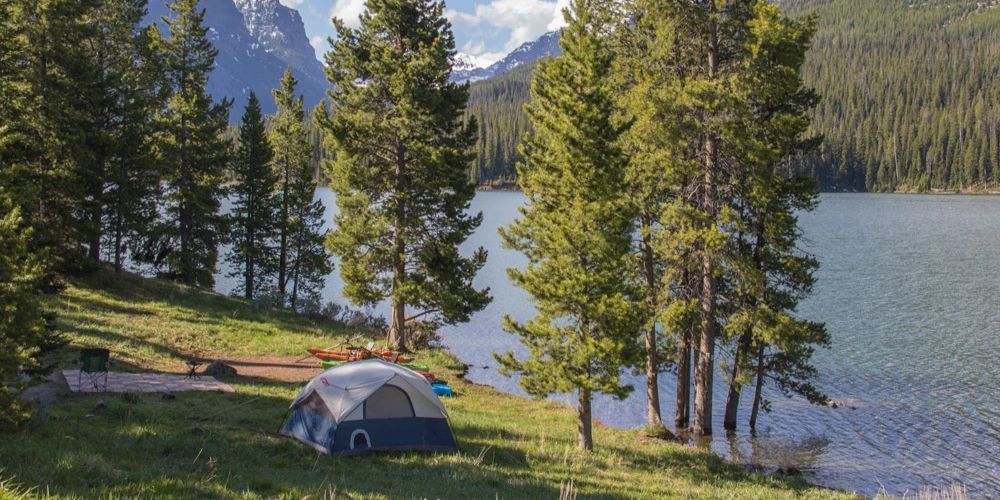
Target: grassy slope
[(225, 445)]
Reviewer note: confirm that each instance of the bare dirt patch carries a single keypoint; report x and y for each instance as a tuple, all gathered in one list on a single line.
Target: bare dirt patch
[(277, 368)]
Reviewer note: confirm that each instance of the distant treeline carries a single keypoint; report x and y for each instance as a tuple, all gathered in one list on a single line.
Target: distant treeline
[(911, 99)]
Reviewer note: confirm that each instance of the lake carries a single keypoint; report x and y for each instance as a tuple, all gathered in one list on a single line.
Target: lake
[(910, 290)]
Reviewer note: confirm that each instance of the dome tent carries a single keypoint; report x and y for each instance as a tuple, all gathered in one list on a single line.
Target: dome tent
[(369, 405)]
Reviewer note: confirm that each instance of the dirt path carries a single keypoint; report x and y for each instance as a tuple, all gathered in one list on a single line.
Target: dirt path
[(277, 368)]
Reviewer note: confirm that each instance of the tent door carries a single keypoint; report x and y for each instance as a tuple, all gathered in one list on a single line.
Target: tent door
[(388, 401), (360, 440)]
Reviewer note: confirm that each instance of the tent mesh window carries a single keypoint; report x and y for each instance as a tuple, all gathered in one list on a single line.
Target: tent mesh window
[(388, 402), (314, 403)]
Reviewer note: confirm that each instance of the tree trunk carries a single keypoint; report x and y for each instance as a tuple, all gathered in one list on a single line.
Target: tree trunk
[(735, 388), (94, 252), (653, 417), (187, 274), (745, 343), (397, 331), (119, 218), (298, 263), (283, 244), (584, 422), (682, 415), (248, 293), (118, 244), (757, 390), (704, 369)]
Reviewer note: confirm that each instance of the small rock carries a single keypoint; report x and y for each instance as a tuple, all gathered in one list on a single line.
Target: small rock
[(89, 415), (219, 369), (168, 396), (101, 404)]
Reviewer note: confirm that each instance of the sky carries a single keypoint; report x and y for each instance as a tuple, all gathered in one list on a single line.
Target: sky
[(486, 29)]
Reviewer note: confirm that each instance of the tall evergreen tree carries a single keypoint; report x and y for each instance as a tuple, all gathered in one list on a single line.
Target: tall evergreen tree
[(767, 274), (46, 154), (132, 178), (120, 106), (400, 169), (649, 67), (576, 228), (23, 330), (303, 263), (255, 208), (185, 244)]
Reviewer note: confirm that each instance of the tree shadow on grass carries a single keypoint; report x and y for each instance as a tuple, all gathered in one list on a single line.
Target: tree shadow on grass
[(212, 444), (84, 336), (203, 306), (204, 444)]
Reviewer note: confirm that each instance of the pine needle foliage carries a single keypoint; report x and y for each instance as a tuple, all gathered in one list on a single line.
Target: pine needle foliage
[(575, 228), (400, 171)]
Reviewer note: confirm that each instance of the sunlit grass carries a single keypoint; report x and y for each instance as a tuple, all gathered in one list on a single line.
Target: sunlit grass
[(226, 445)]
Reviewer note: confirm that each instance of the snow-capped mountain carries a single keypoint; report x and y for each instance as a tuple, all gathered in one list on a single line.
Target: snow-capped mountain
[(256, 40), (529, 52), (468, 62), (280, 31)]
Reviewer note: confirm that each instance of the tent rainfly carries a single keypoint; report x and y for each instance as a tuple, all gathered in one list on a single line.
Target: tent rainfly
[(369, 405)]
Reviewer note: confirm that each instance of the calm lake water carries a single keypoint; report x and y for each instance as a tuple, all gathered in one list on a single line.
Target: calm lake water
[(910, 290)]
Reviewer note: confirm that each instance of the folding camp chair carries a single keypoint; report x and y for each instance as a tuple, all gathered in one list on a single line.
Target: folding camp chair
[(94, 364)]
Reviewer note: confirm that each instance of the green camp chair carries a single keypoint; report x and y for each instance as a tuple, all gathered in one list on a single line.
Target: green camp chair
[(94, 364)]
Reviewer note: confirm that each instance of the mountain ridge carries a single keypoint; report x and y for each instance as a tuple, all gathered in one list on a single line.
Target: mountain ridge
[(527, 53), (257, 40)]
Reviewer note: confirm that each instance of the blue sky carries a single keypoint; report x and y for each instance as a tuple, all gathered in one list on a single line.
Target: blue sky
[(488, 29)]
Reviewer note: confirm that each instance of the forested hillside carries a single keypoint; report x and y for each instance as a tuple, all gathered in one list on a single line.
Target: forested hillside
[(497, 103), (911, 97)]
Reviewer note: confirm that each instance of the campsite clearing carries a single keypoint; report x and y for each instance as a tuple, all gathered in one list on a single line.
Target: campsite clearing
[(201, 444)]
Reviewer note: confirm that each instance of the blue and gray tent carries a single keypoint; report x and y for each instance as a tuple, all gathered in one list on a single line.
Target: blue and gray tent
[(369, 405)]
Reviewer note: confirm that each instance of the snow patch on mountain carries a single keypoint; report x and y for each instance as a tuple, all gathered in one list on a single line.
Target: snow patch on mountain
[(529, 52)]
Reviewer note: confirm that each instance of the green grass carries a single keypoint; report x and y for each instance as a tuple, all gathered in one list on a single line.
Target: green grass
[(226, 445)]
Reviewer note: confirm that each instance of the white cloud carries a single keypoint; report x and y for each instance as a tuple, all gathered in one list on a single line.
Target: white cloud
[(349, 11), (557, 18), (319, 45), (525, 19), (519, 21), (291, 3), (461, 19)]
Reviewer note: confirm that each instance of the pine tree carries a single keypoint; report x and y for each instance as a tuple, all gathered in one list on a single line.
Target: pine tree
[(133, 175), (120, 106), (255, 208), (184, 246), (401, 164), (46, 154), (303, 263), (649, 67), (575, 229), (14, 95), (23, 329), (767, 274)]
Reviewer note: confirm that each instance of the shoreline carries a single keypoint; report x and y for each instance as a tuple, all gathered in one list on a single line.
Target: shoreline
[(508, 444), (682, 438), (514, 188)]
